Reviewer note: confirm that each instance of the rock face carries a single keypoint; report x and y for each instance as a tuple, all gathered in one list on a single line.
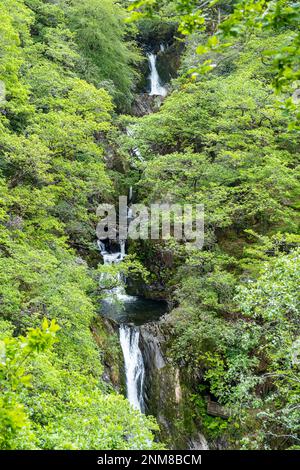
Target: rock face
[(106, 334), (199, 443), (167, 53), (165, 394), (145, 104)]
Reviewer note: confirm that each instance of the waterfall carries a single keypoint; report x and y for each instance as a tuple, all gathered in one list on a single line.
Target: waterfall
[(135, 150), (156, 87), (152, 384), (122, 249), (129, 336), (134, 365), (130, 194)]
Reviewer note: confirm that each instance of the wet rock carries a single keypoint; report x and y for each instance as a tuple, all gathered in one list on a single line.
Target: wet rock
[(145, 104), (198, 443), (15, 223), (166, 396), (106, 334)]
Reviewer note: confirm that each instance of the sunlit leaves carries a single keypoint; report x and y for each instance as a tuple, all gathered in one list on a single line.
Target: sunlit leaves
[(52, 147), (16, 354), (245, 18)]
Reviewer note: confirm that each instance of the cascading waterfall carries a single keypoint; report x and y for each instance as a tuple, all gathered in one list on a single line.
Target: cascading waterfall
[(134, 365), (122, 249), (156, 88), (143, 359), (130, 194), (129, 335)]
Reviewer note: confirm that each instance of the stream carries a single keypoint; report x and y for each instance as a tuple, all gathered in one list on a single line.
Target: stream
[(156, 88), (148, 378), (130, 312)]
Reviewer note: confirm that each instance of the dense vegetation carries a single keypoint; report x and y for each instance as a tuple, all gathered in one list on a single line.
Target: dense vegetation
[(53, 127), (224, 139)]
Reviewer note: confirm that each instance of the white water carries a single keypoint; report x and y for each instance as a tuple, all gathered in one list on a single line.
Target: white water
[(135, 150), (156, 88), (134, 365), (122, 249), (110, 258), (130, 213), (116, 293), (130, 194), (129, 336)]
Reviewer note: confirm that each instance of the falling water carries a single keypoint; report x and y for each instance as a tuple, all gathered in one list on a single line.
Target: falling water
[(138, 311), (135, 150), (130, 194), (129, 335), (122, 249), (134, 365), (156, 87)]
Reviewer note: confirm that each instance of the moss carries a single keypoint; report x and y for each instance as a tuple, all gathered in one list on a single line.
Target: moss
[(154, 31), (107, 339), (214, 426), (174, 413)]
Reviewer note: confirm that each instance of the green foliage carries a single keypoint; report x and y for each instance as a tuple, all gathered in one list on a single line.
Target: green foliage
[(71, 411), (251, 364), (221, 140), (273, 303), (214, 426), (53, 137), (218, 143), (105, 57), (228, 21), (16, 353)]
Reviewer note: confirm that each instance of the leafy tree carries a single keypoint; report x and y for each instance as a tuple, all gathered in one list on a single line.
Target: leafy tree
[(221, 140), (106, 58), (244, 18), (53, 137), (16, 353), (71, 413)]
